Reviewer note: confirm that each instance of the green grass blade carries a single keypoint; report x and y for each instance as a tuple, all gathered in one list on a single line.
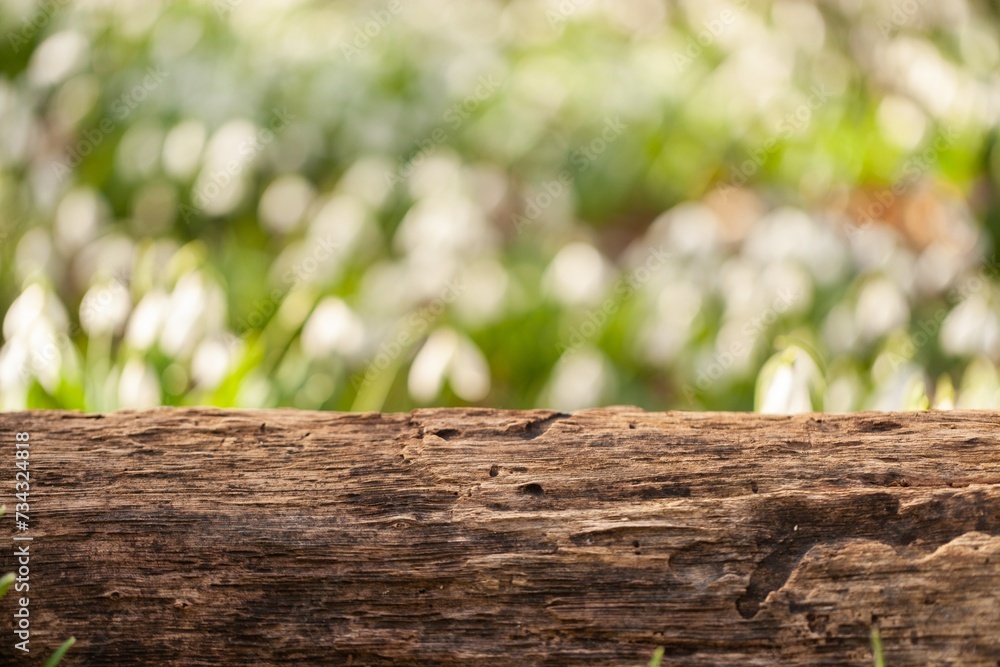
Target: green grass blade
[(5, 583), (877, 648), (657, 658), (60, 652)]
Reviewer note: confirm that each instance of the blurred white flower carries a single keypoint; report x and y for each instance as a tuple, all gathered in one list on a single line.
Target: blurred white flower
[(255, 391), (390, 289), (283, 204), (580, 380), (882, 307), (110, 257), (737, 281), (36, 303), (484, 284), (971, 328), (448, 355), (843, 392), (840, 331), (37, 346), (874, 245), (146, 321), (230, 143), (182, 148), (783, 287), (922, 73), (343, 220), (690, 229), (47, 349), (139, 150), (801, 22), (332, 328), (366, 179), (906, 388), (78, 218), (211, 363), (105, 308), (57, 57), (34, 257), (222, 182), (427, 374), (577, 275), (791, 234), (196, 308), (444, 224), (138, 386), (901, 121), (790, 382), (936, 267), (669, 329), (439, 174), (14, 375), (470, 372), (312, 260)]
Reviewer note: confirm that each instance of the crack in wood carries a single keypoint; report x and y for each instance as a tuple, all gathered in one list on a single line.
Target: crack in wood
[(790, 527)]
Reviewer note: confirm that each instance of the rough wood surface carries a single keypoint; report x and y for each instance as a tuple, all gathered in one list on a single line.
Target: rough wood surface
[(483, 537)]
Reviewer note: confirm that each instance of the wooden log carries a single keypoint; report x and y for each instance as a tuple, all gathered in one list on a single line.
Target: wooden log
[(485, 537)]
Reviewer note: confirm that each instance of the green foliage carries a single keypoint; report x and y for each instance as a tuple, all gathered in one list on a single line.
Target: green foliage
[(226, 206), (60, 652), (879, 660)]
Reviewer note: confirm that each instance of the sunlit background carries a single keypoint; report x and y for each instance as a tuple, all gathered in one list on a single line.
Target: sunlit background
[(783, 206)]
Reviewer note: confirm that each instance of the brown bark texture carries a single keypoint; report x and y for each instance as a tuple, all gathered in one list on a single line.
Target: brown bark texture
[(489, 537)]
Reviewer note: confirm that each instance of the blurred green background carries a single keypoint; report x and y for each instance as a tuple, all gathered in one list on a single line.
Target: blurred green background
[(785, 206)]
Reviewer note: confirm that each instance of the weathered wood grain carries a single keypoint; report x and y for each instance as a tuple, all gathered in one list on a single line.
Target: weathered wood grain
[(483, 537)]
